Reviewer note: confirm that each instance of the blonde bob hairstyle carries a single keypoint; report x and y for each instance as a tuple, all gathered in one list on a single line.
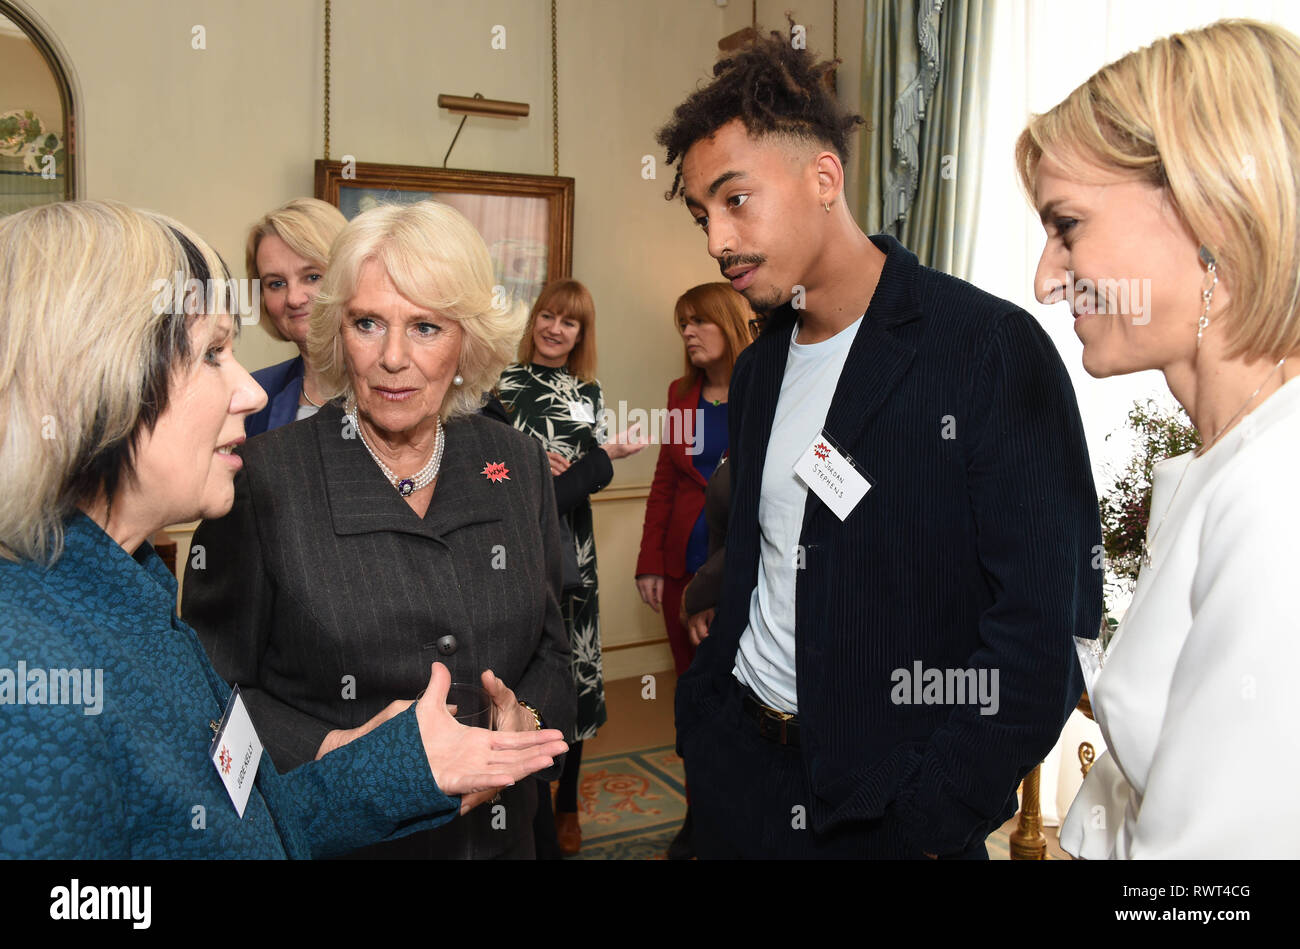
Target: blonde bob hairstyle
[(308, 226), (91, 341), (717, 303), (1212, 116), (570, 299), (437, 261)]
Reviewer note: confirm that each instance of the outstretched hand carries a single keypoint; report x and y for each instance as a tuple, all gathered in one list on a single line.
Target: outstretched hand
[(475, 763), (625, 443)]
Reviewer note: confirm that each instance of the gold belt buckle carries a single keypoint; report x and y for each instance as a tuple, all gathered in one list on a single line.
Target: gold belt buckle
[(782, 717)]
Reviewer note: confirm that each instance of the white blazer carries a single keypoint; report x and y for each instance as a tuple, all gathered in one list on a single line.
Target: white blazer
[(1198, 695)]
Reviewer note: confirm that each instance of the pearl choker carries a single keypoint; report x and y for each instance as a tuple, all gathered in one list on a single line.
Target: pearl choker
[(422, 478)]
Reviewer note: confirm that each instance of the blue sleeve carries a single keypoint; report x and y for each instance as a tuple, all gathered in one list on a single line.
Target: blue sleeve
[(378, 787), (59, 794)]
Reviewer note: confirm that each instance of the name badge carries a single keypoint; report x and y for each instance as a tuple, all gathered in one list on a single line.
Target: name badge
[(236, 751), (832, 476), (581, 412)]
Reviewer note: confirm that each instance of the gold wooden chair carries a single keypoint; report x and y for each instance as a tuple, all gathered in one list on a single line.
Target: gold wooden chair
[(1087, 753), (1027, 841)]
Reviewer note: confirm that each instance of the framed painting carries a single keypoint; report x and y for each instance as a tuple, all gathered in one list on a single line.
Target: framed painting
[(525, 220)]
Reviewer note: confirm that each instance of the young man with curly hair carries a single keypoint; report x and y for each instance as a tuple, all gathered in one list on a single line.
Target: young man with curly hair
[(913, 520)]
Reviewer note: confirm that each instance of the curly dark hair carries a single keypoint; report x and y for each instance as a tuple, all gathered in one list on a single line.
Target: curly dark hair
[(773, 89)]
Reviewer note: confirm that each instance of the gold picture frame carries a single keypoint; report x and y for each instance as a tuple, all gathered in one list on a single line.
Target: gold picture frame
[(526, 220)]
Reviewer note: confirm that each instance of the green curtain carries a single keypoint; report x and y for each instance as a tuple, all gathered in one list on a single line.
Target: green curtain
[(925, 71)]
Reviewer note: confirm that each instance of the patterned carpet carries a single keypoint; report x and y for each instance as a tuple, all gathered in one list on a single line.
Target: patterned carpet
[(631, 805)]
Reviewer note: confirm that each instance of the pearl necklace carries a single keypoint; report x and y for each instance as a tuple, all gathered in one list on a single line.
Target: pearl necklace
[(422, 478)]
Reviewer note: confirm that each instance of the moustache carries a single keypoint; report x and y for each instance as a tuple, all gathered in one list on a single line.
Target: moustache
[(727, 263)]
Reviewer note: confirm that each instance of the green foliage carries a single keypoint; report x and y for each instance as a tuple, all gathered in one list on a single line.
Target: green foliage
[(18, 127), (23, 135), (1126, 507)]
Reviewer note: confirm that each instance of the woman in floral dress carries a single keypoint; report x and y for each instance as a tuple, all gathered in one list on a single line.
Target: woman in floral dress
[(553, 395)]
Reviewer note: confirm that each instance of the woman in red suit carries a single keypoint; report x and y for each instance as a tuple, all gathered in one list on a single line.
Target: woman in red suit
[(713, 320)]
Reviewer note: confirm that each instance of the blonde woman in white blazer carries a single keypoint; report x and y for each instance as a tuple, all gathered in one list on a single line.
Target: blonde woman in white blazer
[(1169, 190)]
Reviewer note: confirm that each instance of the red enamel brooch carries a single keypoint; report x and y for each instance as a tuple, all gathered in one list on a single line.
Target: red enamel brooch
[(496, 471)]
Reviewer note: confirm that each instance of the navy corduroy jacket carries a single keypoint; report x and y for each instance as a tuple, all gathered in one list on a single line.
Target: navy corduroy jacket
[(972, 553)]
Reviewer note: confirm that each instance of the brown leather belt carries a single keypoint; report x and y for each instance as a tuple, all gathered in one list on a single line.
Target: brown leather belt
[(780, 727)]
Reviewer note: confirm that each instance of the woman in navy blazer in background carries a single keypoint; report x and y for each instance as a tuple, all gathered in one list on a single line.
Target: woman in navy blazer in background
[(287, 251), (713, 320)]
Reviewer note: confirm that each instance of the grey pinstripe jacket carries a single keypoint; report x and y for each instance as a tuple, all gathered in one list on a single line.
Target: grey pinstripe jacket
[(325, 597)]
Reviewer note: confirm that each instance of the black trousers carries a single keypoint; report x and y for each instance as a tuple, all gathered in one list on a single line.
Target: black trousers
[(750, 799)]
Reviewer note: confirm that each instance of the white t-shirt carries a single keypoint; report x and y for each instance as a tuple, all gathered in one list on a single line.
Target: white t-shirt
[(765, 658)]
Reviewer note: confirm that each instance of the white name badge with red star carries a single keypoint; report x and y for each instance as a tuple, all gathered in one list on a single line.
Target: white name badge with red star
[(581, 412), (236, 752), (832, 476)]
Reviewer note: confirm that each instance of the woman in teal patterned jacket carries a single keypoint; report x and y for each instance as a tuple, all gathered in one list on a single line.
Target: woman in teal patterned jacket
[(553, 395), (122, 411)]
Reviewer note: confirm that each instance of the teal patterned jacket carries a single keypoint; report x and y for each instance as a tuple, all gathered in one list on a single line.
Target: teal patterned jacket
[(122, 771)]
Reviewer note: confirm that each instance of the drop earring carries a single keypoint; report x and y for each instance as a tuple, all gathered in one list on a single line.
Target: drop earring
[(1207, 291)]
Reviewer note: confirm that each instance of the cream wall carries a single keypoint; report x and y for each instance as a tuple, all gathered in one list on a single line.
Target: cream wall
[(217, 136), (818, 19)]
